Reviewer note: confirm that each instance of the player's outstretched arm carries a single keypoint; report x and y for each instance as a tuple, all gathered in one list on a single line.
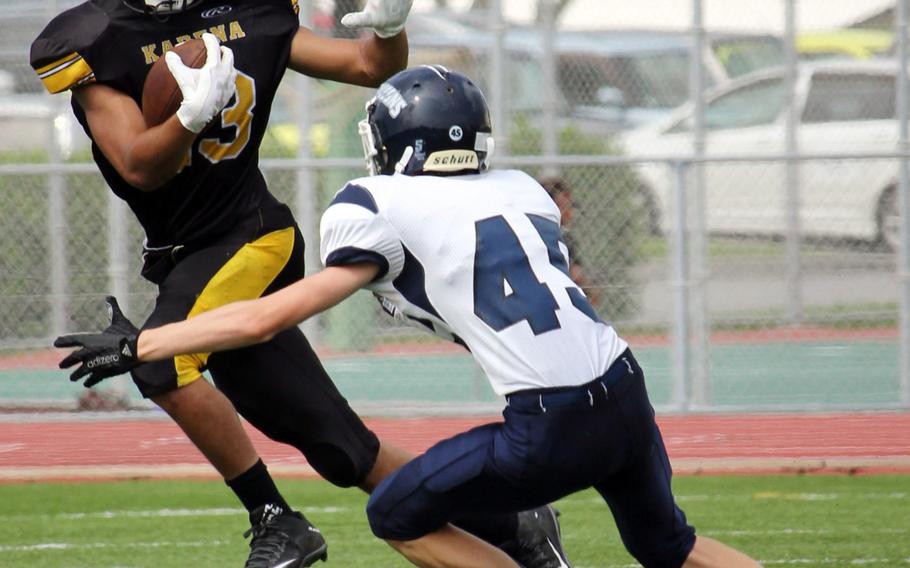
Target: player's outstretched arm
[(367, 61), (120, 347), (255, 321)]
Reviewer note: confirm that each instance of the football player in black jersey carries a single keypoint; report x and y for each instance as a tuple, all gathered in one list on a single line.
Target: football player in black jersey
[(214, 234)]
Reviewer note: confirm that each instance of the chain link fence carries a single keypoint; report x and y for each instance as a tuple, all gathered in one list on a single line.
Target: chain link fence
[(745, 237)]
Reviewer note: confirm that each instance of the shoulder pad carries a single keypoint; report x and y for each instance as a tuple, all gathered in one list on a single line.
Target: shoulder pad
[(61, 53), (356, 194)]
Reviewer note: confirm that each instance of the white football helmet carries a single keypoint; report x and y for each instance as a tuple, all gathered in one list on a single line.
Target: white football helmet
[(161, 7)]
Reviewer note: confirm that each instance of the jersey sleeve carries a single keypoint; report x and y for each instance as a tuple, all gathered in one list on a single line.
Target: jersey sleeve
[(353, 231), (63, 53)]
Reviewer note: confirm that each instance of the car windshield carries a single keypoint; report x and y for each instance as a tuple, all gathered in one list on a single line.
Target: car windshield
[(744, 55), (653, 82), (660, 80), (754, 104)]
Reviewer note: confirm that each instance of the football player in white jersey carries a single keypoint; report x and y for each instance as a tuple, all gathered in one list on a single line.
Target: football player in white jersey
[(474, 256)]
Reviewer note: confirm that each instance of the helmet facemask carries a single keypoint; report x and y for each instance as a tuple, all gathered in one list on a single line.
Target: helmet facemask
[(369, 137), (161, 7)]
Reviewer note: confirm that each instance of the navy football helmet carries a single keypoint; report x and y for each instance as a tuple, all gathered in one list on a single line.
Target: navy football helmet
[(161, 7), (427, 120)]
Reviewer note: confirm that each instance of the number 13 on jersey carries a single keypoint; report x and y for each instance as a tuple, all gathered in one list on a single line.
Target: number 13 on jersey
[(236, 119)]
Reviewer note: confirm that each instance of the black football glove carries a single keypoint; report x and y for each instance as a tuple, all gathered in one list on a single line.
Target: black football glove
[(109, 353)]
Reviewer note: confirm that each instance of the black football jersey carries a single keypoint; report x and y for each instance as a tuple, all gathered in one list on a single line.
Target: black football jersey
[(104, 41)]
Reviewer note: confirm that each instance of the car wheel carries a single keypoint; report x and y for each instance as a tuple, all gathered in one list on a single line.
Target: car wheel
[(889, 220)]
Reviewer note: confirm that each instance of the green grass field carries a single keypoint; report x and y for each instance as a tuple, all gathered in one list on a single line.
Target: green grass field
[(782, 520)]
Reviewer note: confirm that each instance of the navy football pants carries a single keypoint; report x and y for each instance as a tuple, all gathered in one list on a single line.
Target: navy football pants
[(552, 443)]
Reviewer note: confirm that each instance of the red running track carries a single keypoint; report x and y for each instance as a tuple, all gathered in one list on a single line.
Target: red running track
[(823, 443)]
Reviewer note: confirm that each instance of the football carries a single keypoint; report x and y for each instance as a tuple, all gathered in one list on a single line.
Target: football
[(161, 97)]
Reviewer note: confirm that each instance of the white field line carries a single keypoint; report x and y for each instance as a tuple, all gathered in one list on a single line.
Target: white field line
[(802, 496), (872, 561), (802, 532), (768, 496), (45, 546), (159, 513), (782, 533), (568, 537)]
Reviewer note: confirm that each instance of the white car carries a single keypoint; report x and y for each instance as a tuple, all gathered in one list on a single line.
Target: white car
[(843, 107)]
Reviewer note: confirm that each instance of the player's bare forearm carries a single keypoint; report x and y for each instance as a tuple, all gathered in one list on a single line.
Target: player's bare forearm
[(366, 61), (158, 154), (385, 57), (226, 327), (254, 321), (145, 157)]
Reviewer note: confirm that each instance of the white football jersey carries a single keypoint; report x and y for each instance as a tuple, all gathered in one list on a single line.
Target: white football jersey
[(476, 259)]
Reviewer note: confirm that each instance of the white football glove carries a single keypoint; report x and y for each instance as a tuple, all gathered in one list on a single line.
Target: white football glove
[(386, 17), (205, 90)]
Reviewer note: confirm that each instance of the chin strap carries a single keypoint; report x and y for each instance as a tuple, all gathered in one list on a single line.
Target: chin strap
[(484, 142), (405, 158)]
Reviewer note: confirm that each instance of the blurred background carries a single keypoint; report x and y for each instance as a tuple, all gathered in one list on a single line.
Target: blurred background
[(732, 178)]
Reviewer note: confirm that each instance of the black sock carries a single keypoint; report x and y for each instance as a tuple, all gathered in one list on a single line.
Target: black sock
[(495, 529), (255, 488)]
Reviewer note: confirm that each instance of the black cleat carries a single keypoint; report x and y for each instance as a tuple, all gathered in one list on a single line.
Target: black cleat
[(283, 540), (538, 543)]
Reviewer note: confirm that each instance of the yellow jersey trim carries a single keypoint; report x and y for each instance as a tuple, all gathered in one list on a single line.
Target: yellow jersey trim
[(244, 277), (59, 62), (65, 73)]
